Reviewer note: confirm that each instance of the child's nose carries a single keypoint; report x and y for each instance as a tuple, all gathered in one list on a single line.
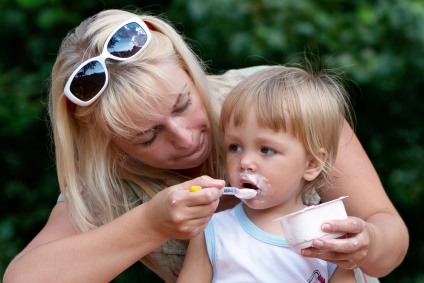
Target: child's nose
[(247, 163)]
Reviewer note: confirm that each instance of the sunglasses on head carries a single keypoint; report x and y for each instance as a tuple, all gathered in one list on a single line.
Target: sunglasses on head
[(89, 80)]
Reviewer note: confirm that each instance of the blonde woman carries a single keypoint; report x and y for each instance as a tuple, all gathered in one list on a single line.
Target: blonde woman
[(135, 124)]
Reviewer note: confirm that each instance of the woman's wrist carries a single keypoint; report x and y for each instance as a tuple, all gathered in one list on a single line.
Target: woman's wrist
[(146, 216), (385, 230)]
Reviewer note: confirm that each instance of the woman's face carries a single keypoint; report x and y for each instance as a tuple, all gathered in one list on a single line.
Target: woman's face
[(180, 138)]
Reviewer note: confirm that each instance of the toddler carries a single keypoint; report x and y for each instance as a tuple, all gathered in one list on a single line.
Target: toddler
[(282, 127)]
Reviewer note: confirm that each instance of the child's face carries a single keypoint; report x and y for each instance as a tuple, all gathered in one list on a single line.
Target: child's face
[(271, 162)]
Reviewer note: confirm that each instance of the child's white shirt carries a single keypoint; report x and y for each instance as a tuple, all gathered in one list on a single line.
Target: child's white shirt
[(241, 252)]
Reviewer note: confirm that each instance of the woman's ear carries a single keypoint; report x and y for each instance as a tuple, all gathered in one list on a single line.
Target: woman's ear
[(313, 167)]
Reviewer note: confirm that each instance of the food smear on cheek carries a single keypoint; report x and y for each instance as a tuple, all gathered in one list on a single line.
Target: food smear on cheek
[(264, 187)]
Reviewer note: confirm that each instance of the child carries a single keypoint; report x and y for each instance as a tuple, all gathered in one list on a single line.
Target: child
[(282, 129)]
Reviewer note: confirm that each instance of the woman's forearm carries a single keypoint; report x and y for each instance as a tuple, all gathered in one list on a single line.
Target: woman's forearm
[(390, 240), (59, 253), (95, 256), (385, 238)]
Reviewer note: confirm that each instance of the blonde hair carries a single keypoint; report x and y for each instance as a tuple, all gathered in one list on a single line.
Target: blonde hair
[(83, 138), (314, 103)]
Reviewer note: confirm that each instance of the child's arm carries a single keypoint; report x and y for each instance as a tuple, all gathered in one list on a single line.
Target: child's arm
[(197, 266), (343, 276)]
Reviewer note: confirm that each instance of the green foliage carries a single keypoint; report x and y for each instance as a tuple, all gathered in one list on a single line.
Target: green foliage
[(378, 44)]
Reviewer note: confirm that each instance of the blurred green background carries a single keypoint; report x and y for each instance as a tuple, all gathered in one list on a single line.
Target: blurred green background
[(379, 44)]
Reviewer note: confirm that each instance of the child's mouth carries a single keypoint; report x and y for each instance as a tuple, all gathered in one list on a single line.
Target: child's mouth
[(249, 186)]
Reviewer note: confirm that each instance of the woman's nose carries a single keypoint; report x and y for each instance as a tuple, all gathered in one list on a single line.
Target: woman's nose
[(182, 136)]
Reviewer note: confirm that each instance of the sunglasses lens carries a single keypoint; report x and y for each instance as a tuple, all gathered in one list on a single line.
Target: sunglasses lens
[(88, 81), (127, 41)]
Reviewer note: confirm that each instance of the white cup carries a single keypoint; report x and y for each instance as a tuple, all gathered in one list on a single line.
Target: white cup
[(301, 227)]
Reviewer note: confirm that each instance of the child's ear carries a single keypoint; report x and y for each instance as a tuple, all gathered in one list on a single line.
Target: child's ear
[(313, 168)]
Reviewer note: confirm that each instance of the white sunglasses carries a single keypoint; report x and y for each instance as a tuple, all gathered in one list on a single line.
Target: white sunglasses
[(90, 79)]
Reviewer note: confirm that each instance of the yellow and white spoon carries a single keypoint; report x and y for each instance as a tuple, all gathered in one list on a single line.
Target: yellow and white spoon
[(240, 193)]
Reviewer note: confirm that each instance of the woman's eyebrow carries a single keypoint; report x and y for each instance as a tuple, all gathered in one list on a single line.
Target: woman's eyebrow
[(180, 94)]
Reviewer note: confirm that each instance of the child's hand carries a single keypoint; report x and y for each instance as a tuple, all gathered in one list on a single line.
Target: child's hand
[(347, 253), (178, 213)]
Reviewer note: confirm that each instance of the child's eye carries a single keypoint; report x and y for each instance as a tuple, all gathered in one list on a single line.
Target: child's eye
[(234, 147), (267, 150)]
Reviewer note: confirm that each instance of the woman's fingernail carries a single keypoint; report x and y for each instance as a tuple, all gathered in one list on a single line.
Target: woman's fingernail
[(306, 253), (326, 227), (318, 244)]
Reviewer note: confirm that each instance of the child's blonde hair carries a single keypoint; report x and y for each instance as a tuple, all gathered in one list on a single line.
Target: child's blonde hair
[(83, 138), (314, 103)]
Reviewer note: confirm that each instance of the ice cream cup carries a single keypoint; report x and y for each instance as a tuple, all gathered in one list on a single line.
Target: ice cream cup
[(301, 227)]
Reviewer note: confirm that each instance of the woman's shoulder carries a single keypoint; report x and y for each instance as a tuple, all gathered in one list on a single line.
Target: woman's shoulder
[(240, 74), (237, 75)]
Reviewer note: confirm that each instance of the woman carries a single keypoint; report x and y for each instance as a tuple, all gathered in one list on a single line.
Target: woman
[(129, 134)]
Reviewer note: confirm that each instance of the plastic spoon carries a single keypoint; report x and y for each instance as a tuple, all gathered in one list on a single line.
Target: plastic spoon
[(240, 193)]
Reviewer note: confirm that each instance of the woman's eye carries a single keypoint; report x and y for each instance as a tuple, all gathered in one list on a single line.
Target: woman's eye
[(234, 147), (152, 139), (267, 150), (184, 107), (149, 142)]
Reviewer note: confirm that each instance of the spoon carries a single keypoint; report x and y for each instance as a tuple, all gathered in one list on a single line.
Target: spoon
[(240, 193)]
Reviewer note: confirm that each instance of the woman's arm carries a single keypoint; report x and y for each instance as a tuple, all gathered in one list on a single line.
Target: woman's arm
[(197, 267), (341, 275), (60, 253), (378, 238)]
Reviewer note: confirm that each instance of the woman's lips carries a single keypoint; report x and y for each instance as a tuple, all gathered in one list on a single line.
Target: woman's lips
[(199, 147), (201, 143)]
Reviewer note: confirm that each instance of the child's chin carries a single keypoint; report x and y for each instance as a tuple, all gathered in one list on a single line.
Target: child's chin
[(255, 204)]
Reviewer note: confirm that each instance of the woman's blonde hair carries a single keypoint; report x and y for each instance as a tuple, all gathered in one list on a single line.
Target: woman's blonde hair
[(313, 103), (82, 137)]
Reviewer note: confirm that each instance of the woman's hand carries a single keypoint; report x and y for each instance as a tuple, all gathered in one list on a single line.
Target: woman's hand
[(347, 253), (178, 213)]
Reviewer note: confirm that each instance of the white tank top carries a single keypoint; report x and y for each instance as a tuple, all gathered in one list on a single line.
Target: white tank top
[(241, 252)]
